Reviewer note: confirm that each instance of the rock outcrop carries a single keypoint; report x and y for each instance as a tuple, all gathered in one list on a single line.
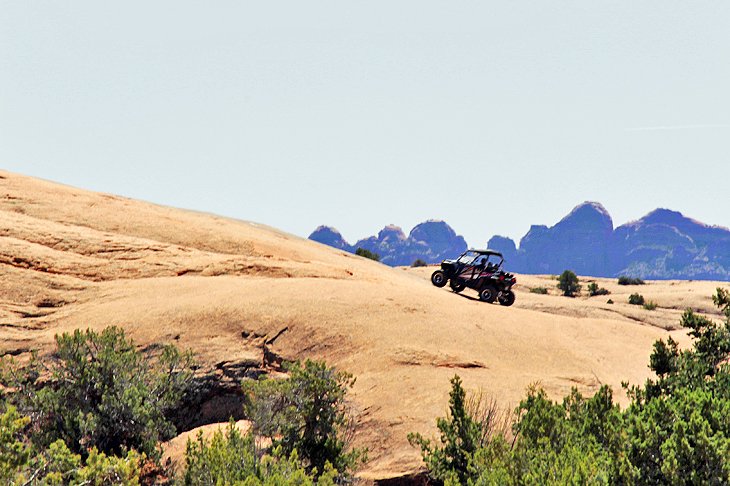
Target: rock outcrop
[(431, 241), (330, 237), (579, 241), (664, 244)]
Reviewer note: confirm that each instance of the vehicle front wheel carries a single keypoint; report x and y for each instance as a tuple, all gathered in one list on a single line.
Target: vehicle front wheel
[(488, 294), (457, 286), (506, 298), (438, 278)]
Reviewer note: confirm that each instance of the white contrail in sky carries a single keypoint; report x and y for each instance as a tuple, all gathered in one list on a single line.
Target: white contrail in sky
[(674, 127)]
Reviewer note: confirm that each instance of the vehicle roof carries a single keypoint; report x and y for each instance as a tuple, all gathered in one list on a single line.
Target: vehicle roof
[(486, 252)]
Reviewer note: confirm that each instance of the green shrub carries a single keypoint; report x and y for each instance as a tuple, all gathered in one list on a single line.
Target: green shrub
[(232, 458), (100, 392), (14, 452), (460, 439), (56, 464), (555, 444), (568, 283), (665, 357), (307, 412), (624, 280), (636, 299), (418, 263), (674, 431), (609, 301), (594, 290), (651, 305), (367, 254), (539, 290)]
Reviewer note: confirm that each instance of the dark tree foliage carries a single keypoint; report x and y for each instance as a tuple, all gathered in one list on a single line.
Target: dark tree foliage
[(367, 254), (419, 263), (594, 290), (636, 299), (568, 283), (664, 358), (624, 280)]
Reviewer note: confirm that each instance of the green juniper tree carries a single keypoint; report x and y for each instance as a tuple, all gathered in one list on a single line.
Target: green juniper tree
[(568, 283), (307, 412), (98, 390), (676, 429)]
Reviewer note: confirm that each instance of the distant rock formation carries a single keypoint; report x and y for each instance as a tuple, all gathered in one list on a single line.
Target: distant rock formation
[(664, 244), (330, 237), (579, 242), (431, 241)]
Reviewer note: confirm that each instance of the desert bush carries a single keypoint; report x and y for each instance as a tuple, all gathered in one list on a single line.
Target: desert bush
[(231, 457), (651, 305), (539, 290), (460, 439), (99, 391), (307, 412), (636, 299), (594, 290), (624, 280), (722, 300), (678, 427), (568, 283), (20, 463), (674, 431), (665, 357), (492, 421), (14, 452), (609, 301), (367, 254), (419, 263), (59, 465), (555, 444)]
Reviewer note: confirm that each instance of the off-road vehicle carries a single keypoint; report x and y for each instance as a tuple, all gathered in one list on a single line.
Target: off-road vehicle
[(480, 270)]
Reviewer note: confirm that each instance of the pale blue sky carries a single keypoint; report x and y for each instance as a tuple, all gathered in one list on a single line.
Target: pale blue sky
[(490, 115)]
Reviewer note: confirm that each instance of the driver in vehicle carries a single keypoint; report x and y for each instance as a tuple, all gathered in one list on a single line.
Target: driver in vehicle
[(484, 263)]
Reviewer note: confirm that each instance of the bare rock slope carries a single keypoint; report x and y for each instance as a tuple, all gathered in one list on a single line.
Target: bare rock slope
[(233, 291)]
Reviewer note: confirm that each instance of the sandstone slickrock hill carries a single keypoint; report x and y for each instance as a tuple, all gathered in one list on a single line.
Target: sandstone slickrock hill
[(243, 296)]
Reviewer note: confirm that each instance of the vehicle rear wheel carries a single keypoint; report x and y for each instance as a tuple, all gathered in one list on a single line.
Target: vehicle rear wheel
[(488, 294), (506, 298), (457, 286), (438, 278)]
